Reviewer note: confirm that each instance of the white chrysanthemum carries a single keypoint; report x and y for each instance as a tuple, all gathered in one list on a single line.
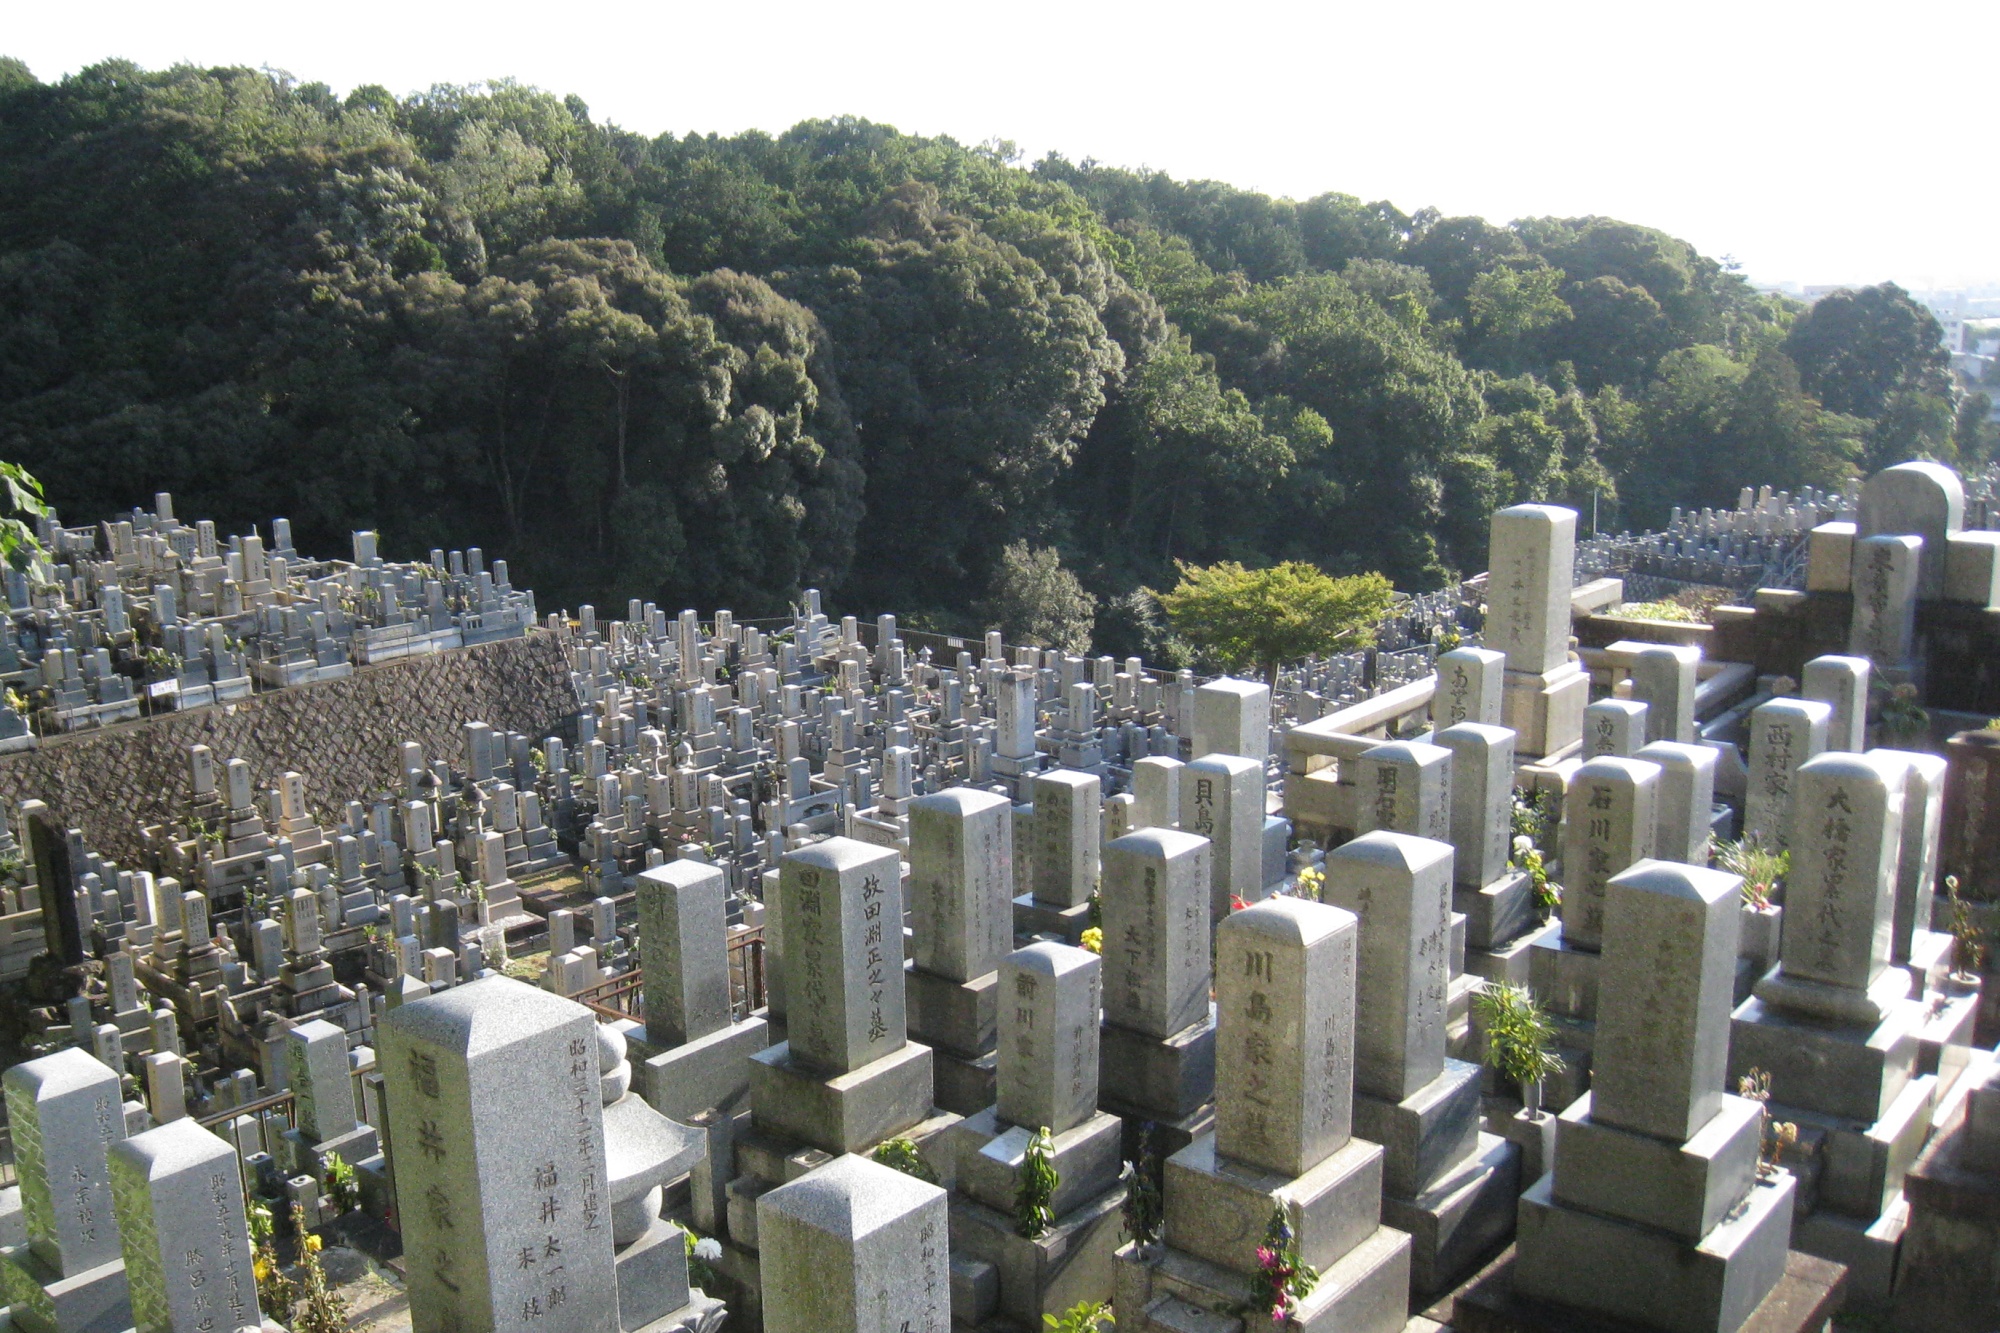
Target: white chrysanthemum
[(708, 1249), (1523, 844)]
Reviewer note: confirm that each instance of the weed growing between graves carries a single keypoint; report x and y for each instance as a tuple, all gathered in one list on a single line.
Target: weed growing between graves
[(901, 1155), (1039, 1179), (1083, 1317), (1968, 938), (1143, 1208), (321, 1308), (1777, 1135)]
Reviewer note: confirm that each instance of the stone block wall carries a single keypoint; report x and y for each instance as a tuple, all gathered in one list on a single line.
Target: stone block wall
[(340, 734)]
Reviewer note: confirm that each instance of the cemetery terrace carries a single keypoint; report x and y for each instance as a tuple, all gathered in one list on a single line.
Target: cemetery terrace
[(939, 983)]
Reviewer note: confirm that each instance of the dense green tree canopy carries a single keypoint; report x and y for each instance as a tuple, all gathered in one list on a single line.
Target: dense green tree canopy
[(705, 370)]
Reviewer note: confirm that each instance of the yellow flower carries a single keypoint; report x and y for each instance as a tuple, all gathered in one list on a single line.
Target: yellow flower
[(262, 1268), (1093, 939), (313, 1243)]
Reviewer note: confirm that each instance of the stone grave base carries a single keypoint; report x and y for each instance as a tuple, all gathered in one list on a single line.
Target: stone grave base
[(1425, 1134), (847, 1112), (961, 1017), (1498, 912), (1861, 1166), (1867, 1249), (1950, 1263), (1217, 1209), (1929, 964), (1564, 976), (702, 1314), (652, 1277), (307, 1158), (682, 1081), (1367, 1290), (1509, 962), (1803, 1301), (1944, 1041), (987, 1156), (1070, 1262), (1545, 708), (1169, 1136), (964, 1086), (1603, 1264), (1459, 1042), (1853, 1071), (93, 1301), (1032, 918), (1461, 1219), (1683, 1188), (1157, 1078)]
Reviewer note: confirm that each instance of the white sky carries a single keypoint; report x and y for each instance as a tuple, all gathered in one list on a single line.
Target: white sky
[(1814, 142)]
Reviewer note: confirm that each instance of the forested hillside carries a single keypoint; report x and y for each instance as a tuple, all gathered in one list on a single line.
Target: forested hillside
[(710, 371)]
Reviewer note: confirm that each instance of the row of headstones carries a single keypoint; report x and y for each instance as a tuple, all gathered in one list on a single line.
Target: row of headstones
[(1288, 1023)]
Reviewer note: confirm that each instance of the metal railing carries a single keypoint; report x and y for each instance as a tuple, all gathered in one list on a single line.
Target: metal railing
[(622, 996)]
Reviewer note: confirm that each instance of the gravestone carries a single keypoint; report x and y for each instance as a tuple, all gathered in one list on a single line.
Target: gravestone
[(1067, 809), (65, 1115), (178, 1192), (495, 1111), (1912, 941), (1613, 729), (1922, 500), (1685, 801), (1664, 677), (855, 1247), (1498, 901), (1048, 1052), (1450, 1187), (1886, 578), (1841, 683), (1530, 573), (1404, 787), (1156, 782), (961, 919), (1609, 823), (1831, 1025), (1655, 1207), (1232, 717), (682, 924), (1285, 976), (1784, 734), (1222, 799), (1468, 687), (847, 1077), (1157, 1045)]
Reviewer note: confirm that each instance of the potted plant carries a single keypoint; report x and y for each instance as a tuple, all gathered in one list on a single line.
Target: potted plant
[(1519, 1040), (1763, 871)]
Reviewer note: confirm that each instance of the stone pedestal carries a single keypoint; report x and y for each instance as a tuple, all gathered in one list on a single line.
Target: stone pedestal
[(1950, 1260), (1285, 972), (1047, 1081), (961, 880), (1831, 1026), (693, 1053), (1156, 1050), (1653, 1208), (1421, 1106)]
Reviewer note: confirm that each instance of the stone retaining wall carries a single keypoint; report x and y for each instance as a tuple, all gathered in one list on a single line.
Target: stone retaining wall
[(340, 734)]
